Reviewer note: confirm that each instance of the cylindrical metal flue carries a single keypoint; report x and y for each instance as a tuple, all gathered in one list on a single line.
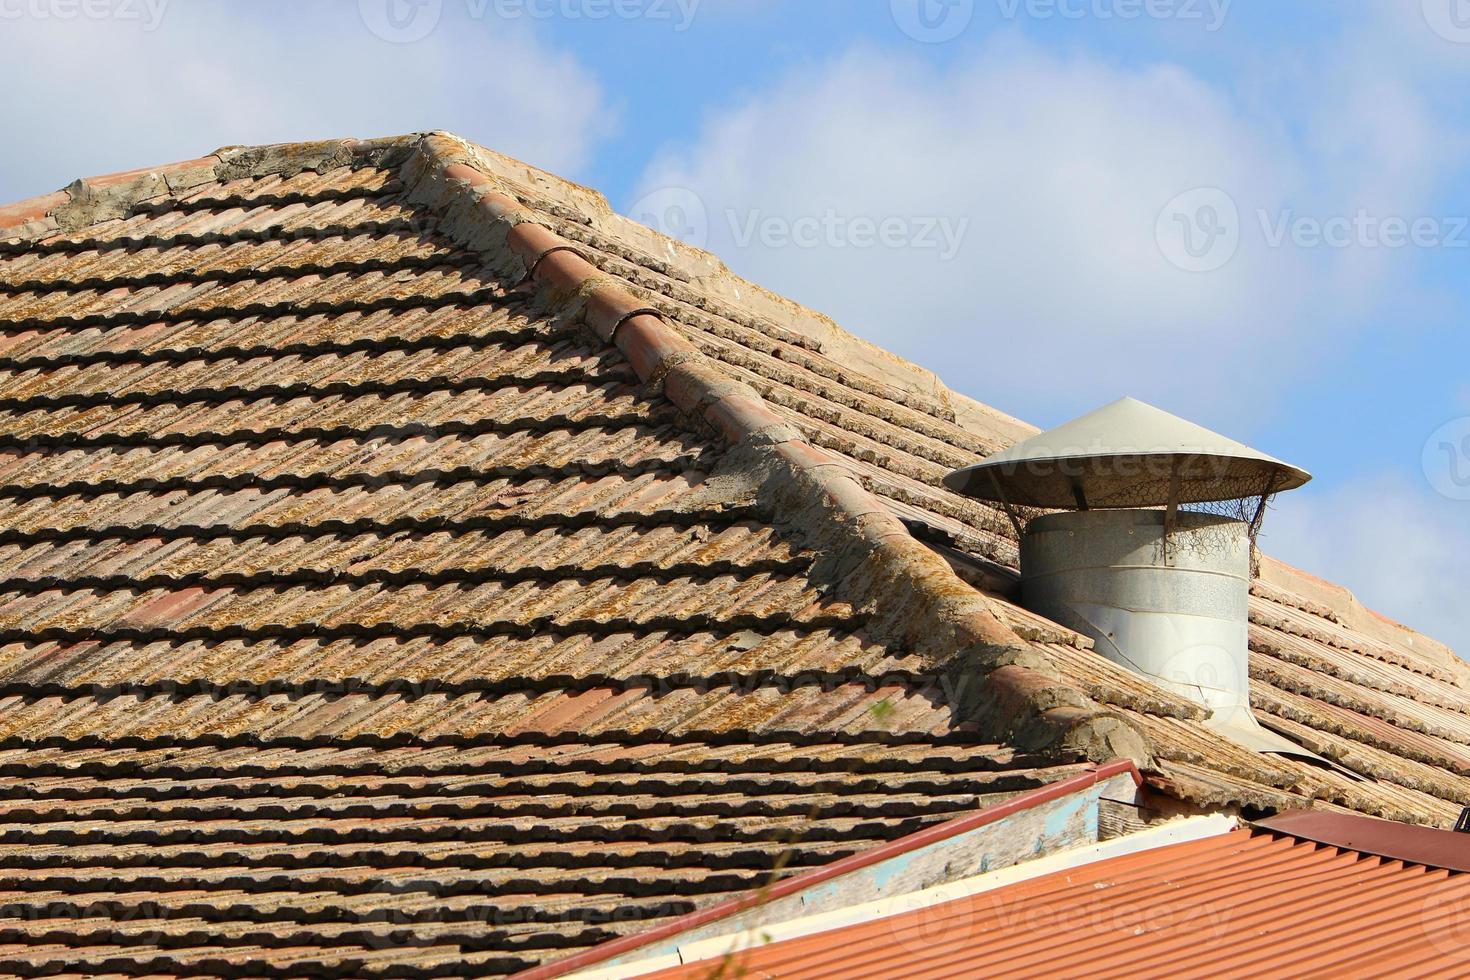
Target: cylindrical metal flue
[(1172, 607), (1154, 564)]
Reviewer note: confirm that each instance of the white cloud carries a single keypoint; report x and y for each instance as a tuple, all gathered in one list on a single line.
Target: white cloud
[(107, 95), (1401, 549), (1061, 295)]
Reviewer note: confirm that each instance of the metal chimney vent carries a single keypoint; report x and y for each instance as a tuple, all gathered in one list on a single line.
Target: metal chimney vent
[(1137, 530), (1127, 454)]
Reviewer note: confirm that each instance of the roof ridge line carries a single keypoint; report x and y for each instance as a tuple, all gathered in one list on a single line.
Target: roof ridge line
[(916, 597), (92, 200)]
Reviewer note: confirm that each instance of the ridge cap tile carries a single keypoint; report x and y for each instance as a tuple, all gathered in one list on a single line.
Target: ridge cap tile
[(812, 491), (308, 652)]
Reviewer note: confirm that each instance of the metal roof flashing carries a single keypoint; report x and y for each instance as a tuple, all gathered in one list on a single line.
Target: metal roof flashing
[(808, 890), (1425, 846), (1247, 902)]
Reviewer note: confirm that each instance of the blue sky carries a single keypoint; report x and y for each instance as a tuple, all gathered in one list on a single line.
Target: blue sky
[(1039, 164)]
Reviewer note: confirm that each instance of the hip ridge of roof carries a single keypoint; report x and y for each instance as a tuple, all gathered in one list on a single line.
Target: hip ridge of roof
[(992, 673), (92, 200)]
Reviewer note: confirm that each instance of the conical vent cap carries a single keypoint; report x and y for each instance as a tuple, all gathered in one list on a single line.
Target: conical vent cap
[(1127, 454)]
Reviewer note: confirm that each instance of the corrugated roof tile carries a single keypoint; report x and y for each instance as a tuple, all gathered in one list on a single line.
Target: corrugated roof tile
[(351, 590)]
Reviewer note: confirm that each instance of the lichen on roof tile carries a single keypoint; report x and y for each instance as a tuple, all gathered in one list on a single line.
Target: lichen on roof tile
[(409, 562)]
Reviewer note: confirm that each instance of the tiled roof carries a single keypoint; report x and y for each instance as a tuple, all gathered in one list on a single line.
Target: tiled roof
[(390, 529), (1244, 903)]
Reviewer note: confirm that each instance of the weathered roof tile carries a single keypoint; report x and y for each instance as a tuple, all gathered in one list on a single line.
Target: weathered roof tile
[(366, 605)]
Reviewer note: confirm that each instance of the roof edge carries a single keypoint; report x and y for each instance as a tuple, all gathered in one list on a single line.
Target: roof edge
[(1411, 844), (908, 382), (991, 673), (77, 206), (809, 879), (92, 200), (1346, 609)]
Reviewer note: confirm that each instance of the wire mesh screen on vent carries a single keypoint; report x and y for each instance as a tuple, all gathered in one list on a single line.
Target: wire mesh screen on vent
[(1130, 456)]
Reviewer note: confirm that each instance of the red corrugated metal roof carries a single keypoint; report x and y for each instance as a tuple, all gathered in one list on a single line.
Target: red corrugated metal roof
[(1400, 841), (685, 924), (379, 587), (1247, 903)]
